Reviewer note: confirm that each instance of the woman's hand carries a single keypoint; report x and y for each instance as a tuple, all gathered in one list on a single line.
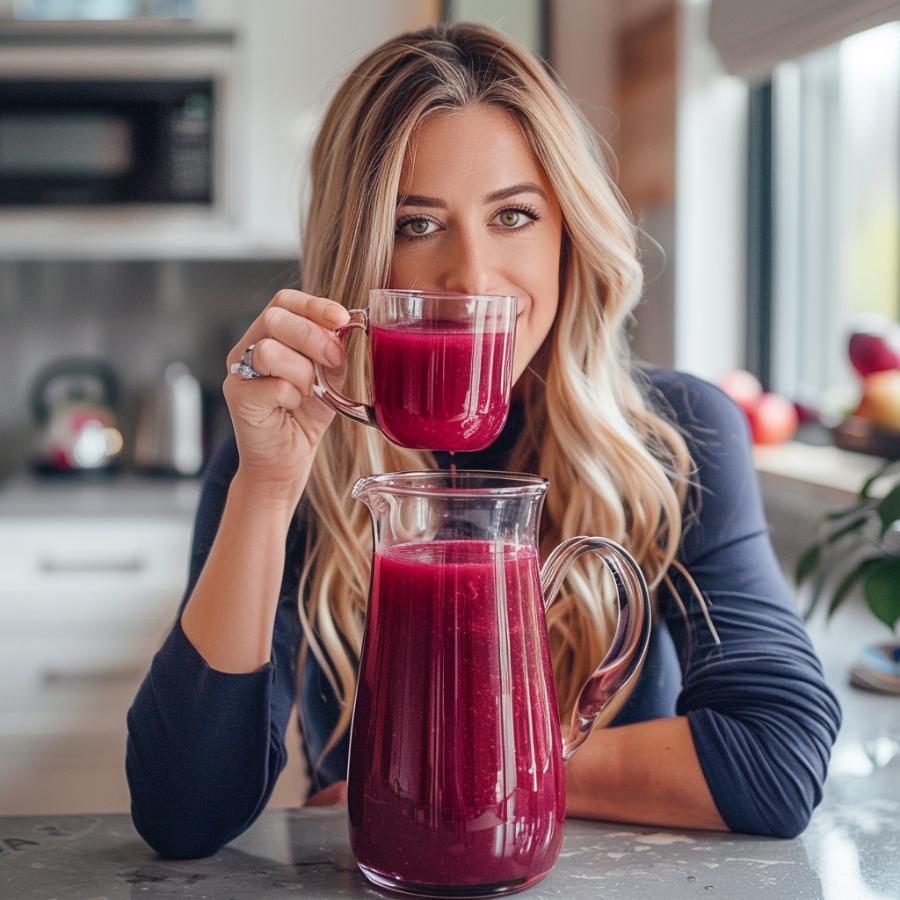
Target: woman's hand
[(278, 422), (333, 795)]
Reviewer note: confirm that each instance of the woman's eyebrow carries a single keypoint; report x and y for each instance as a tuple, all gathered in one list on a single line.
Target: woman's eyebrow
[(526, 187)]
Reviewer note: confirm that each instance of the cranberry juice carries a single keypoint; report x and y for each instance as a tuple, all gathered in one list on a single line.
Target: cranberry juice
[(439, 387), (456, 776)]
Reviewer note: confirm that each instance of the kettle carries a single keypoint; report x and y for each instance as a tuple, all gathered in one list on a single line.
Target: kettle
[(169, 436), (73, 403)]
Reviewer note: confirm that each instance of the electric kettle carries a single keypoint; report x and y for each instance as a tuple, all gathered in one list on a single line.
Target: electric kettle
[(74, 406), (169, 436)]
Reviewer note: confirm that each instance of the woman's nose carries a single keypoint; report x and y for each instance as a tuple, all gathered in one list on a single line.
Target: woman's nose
[(467, 266)]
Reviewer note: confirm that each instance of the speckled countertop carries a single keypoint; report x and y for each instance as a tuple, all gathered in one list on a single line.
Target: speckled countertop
[(850, 851), (846, 853)]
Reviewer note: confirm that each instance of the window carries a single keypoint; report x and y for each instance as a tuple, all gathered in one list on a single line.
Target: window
[(834, 217)]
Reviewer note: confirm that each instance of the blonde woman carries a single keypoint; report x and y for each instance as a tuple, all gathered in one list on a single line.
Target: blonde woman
[(451, 159)]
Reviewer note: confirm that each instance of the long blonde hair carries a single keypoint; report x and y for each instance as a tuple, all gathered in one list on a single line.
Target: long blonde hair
[(617, 468)]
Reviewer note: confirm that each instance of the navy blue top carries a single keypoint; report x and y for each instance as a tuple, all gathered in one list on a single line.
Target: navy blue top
[(205, 747)]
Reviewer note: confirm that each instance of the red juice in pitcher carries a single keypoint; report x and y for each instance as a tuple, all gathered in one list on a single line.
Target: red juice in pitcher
[(456, 778), (438, 386)]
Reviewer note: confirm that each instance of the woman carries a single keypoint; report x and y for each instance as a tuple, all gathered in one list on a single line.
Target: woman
[(450, 159)]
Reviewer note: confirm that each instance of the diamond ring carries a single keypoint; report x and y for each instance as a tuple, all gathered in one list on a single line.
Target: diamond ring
[(244, 368)]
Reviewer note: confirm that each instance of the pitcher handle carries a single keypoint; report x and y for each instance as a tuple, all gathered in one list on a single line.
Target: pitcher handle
[(632, 636), (331, 396)]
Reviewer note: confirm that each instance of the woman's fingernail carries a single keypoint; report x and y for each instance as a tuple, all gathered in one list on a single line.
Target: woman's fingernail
[(335, 354), (335, 315)]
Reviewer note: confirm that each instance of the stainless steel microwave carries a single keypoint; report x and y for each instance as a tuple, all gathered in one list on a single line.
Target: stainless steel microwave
[(107, 142)]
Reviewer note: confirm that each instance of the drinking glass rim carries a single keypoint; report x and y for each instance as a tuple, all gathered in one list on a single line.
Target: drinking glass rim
[(519, 484), (438, 295)]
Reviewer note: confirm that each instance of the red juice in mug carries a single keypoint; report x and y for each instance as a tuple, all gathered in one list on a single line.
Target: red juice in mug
[(455, 775), (438, 386)]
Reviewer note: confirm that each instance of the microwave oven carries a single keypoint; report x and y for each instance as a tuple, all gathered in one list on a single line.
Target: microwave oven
[(107, 142), (111, 124)]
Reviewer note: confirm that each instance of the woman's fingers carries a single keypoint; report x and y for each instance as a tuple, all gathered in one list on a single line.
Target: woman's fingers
[(263, 393), (303, 335), (321, 310), (295, 320), (331, 796), (272, 358)]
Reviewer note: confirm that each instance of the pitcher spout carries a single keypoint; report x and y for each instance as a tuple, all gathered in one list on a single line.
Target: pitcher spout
[(362, 489), (370, 491)]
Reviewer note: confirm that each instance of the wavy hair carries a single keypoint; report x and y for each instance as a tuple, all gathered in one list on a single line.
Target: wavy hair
[(617, 466)]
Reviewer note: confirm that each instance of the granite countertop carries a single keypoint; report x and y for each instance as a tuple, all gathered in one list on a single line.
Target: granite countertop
[(850, 851)]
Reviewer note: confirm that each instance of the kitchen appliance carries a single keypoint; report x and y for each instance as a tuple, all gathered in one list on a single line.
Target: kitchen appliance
[(456, 783), (74, 405), (102, 142), (103, 118), (169, 436)]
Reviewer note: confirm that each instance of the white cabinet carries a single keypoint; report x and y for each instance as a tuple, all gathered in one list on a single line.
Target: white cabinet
[(84, 604), (85, 601)]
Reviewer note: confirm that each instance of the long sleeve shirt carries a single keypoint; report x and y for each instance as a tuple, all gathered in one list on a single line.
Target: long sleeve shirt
[(205, 747)]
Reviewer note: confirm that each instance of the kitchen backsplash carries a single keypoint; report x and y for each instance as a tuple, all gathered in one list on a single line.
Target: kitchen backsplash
[(135, 315)]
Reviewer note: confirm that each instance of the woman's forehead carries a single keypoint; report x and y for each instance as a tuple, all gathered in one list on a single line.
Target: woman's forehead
[(478, 147)]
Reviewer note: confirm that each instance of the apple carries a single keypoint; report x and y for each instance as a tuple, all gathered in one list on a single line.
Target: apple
[(870, 353), (874, 345), (744, 388), (880, 402), (773, 419)]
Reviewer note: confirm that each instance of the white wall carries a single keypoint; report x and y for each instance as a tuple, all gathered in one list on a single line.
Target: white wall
[(292, 55), (583, 55), (710, 205)]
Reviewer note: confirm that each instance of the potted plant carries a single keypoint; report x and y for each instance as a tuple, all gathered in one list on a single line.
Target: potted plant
[(857, 546)]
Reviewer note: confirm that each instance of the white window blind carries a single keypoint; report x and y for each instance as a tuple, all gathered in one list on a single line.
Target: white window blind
[(753, 37)]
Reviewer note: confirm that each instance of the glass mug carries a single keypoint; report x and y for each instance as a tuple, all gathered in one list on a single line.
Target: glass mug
[(456, 784), (441, 368)]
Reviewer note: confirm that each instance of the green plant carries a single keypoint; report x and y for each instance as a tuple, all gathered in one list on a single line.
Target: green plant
[(851, 549)]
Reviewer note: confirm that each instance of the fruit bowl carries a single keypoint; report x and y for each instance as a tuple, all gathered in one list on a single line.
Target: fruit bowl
[(861, 436)]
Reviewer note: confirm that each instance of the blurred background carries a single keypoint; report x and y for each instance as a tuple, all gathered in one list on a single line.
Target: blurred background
[(153, 158)]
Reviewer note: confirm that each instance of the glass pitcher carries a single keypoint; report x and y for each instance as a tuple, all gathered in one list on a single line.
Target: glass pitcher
[(456, 785)]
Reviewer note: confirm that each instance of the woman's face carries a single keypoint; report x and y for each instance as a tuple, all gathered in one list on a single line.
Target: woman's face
[(480, 218)]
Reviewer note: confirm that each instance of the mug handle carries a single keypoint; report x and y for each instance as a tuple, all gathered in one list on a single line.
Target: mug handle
[(330, 396), (630, 641)]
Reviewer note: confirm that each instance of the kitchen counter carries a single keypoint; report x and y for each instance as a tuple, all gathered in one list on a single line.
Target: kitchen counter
[(114, 495), (850, 850)]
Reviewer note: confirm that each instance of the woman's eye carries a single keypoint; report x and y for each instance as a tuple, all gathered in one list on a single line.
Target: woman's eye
[(510, 217), (417, 227), (514, 219)]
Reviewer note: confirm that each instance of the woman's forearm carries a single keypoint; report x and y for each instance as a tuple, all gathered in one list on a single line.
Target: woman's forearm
[(646, 773), (230, 616)]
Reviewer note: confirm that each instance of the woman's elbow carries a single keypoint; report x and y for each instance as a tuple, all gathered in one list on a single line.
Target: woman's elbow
[(781, 809), (790, 823), (175, 840)]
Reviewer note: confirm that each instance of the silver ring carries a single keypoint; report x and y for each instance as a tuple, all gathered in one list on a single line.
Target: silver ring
[(244, 368)]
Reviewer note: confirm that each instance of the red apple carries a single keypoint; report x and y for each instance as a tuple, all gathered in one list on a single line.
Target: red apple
[(773, 420), (875, 345), (870, 353), (744, 388)]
